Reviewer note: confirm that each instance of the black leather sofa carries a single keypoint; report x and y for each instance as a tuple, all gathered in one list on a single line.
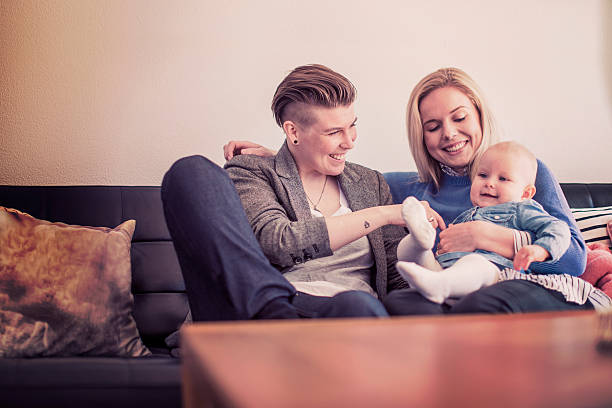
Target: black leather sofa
[(160, 306), (159, 296)]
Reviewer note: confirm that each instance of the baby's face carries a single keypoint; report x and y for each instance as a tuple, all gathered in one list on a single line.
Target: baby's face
[(500, 179)]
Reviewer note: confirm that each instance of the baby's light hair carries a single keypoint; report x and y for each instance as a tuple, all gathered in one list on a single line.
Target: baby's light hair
[(519, 152)]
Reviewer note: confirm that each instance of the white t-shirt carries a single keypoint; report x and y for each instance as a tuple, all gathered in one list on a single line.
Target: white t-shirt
[(349, 268)]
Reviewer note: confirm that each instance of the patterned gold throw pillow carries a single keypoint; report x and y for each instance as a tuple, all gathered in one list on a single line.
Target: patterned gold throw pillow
[(65, 290)]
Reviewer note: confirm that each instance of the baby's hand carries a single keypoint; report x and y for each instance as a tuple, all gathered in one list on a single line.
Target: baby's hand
[(528, 254)]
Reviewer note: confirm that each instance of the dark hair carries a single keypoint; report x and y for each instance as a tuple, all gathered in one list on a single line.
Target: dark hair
[(310, 85)]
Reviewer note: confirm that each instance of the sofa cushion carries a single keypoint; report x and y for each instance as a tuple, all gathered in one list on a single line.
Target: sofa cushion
[(155, 268), (90, 382), (592, 223), (65, 290)]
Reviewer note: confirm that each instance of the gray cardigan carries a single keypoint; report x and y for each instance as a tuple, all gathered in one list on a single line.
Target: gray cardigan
[(277, 208)]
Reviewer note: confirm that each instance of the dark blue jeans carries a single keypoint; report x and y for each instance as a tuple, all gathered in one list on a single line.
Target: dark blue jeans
[(226, 274), (511, 296)]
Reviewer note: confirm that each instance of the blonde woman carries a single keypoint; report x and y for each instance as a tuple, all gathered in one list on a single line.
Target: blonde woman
[(449, 127)]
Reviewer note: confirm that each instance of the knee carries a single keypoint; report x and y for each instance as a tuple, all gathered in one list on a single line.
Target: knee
[(486, 300), (186, 167), (405, 302), (357, 304), (392, 303), (192, 172), (512, 296)]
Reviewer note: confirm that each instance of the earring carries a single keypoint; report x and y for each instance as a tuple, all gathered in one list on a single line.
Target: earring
[(295, 141)]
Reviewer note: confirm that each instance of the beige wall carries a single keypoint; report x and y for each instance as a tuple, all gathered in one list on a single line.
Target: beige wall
[(112, 92)]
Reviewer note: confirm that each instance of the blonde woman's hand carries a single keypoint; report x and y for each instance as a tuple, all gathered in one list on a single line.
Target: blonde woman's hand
[(237, 147), (433, 217), (460, 237), (469, 236)]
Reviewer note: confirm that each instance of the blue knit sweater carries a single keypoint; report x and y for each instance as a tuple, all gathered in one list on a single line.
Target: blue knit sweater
[(454, 198)]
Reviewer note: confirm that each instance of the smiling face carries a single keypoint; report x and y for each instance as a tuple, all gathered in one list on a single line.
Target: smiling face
[(323, 144), (451, 127), (502, 176)]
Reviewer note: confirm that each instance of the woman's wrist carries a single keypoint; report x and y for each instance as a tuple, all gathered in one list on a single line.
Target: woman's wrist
[(381, 216), (394, 214), (482, 233)]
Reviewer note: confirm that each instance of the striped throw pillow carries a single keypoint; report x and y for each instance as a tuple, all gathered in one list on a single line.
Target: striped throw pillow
[(592, 223)]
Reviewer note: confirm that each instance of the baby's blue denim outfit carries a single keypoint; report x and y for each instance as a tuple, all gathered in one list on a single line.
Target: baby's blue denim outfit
[(547, 231)]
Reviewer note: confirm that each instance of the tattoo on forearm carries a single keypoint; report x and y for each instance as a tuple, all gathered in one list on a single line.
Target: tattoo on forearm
[(366, 224)]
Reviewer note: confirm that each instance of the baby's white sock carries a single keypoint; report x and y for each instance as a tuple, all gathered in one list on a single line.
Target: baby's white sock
[(416, 246), (468, 274), (414, 216)]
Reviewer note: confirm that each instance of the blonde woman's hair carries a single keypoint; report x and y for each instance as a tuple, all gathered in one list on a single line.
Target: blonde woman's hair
[(429, 168)]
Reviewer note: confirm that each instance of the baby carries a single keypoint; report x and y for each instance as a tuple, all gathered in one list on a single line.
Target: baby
[(501, 193)]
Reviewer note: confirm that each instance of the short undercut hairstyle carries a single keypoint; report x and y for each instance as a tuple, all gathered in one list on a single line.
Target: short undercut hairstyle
[(314, 85)]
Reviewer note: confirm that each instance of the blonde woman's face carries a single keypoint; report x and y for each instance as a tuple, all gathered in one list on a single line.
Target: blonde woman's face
[(451, 127)]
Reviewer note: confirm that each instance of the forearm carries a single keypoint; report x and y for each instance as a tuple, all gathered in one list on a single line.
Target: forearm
[(572, 262), (495, 238), (288, 243), (347, 228)]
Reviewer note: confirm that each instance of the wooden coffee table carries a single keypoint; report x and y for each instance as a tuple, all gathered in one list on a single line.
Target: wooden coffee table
[(529, 360)]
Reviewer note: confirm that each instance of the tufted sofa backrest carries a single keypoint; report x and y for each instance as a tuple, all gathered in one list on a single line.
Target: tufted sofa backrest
[(578, 195), (160, 302), (587, 195)]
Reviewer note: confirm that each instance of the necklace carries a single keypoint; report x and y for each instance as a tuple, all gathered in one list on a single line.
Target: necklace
[(314, 206), (452, 172)]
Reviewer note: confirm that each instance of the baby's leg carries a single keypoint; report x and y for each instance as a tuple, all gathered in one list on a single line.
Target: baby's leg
[(416, 246), (468, 274)]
